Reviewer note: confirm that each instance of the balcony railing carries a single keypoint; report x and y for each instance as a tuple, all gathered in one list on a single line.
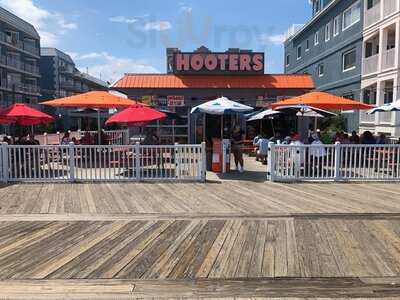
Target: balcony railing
[(366, 118), (385, 117), (21, 87), (31, 68), (67, 85), (370, 64), (19, 44), (18, 65), (372, 15), (389, 59), (390, 7)]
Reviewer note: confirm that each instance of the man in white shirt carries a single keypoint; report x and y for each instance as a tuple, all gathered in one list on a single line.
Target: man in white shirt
[(262, 145)]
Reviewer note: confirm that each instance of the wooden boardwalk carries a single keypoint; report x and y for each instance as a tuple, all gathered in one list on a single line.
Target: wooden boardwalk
[(232, 237), (225, 198)]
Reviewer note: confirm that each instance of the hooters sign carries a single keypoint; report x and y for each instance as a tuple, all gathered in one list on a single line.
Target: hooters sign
[(217, 63)]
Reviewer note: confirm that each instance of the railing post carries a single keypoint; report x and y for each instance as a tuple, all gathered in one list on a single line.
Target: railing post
[(338, 161), (178, 161), (4, 164), (203, 162), (271, 162), (137, 160), (126, 136), (71, 161)]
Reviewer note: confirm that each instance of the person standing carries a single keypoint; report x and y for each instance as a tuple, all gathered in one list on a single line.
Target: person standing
[(237, 139)]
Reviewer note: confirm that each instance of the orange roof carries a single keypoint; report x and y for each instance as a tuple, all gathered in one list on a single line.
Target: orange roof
[(95, 99), (323, 101), (215, 81)]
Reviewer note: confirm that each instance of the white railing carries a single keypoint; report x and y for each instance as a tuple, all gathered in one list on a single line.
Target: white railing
[(386, 117), (389, 58), (367, 118), (372, 15), (78, 163), (390, 7), (334, 163), (370, 64)]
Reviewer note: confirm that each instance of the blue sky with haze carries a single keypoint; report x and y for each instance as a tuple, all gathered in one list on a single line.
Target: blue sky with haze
[(114, 37)]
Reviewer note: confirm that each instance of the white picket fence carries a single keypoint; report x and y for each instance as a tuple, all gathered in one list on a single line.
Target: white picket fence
[(79, 163), (291, 163)]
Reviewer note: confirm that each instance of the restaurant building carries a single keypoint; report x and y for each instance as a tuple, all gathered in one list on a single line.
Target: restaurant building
[(193, 78)]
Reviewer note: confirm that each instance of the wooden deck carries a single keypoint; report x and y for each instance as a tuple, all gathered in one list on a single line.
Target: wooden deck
[(231, 237)]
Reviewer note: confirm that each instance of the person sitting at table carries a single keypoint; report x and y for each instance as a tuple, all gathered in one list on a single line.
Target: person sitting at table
[(87, 139), (367, 138), (7, 140), (75, 141), (66, 139), (32, 141), (381, 139)]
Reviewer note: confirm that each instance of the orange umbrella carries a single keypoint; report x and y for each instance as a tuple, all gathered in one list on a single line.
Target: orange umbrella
[(324, 101), (95, 99)]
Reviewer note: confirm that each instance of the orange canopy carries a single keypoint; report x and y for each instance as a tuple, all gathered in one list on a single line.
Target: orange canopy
[(324, 101), (95, 99)]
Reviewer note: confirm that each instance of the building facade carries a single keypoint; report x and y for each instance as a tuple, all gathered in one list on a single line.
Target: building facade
[(19, 60), (193, 78), (381, 69), (329, 48), (61, 78)]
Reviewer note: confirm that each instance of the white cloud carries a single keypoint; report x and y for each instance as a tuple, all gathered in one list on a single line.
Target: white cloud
[(186, 9), (275, 39), (41, 19), (157, 25), (110, 68), (123, 19)]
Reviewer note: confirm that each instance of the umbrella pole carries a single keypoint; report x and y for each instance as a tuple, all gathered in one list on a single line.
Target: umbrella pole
[(222, 127), (315, 124), (272, 125), (261, 126), (204, 127), (98, 126)]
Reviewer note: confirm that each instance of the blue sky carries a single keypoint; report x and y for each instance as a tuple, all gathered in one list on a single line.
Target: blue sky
[(110, 38)]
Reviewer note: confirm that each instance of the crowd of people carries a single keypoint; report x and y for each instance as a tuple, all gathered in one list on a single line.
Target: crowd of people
[(317, 137)]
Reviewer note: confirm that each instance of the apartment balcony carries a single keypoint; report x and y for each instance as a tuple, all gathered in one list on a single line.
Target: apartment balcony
[(366, 118), (67, 85), (372, 15), (22, 88), (388, 59), (31, 69), (370, 64), (18, 65), (17, 44), (385, 117), (390, 7)]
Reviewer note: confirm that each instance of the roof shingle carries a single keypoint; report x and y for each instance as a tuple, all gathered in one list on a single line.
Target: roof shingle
[(215, 81)]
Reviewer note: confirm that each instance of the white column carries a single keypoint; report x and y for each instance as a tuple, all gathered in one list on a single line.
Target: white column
[(382, 47), (379, 99), (396, 116), (397, 56)]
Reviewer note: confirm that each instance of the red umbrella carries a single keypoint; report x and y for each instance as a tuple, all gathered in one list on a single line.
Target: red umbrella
[(23, 115), (136, 115)]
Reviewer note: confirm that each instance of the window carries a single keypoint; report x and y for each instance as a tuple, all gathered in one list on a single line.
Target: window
[(317, 6), (287, 60), (307, 45), (321, 70), (336, 26), (298, 52), (316, 39), (349, 60), (327, 32), (352, 15), (12, 37)]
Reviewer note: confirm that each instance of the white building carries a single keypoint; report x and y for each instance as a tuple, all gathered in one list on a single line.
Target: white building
[(381, 64)]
